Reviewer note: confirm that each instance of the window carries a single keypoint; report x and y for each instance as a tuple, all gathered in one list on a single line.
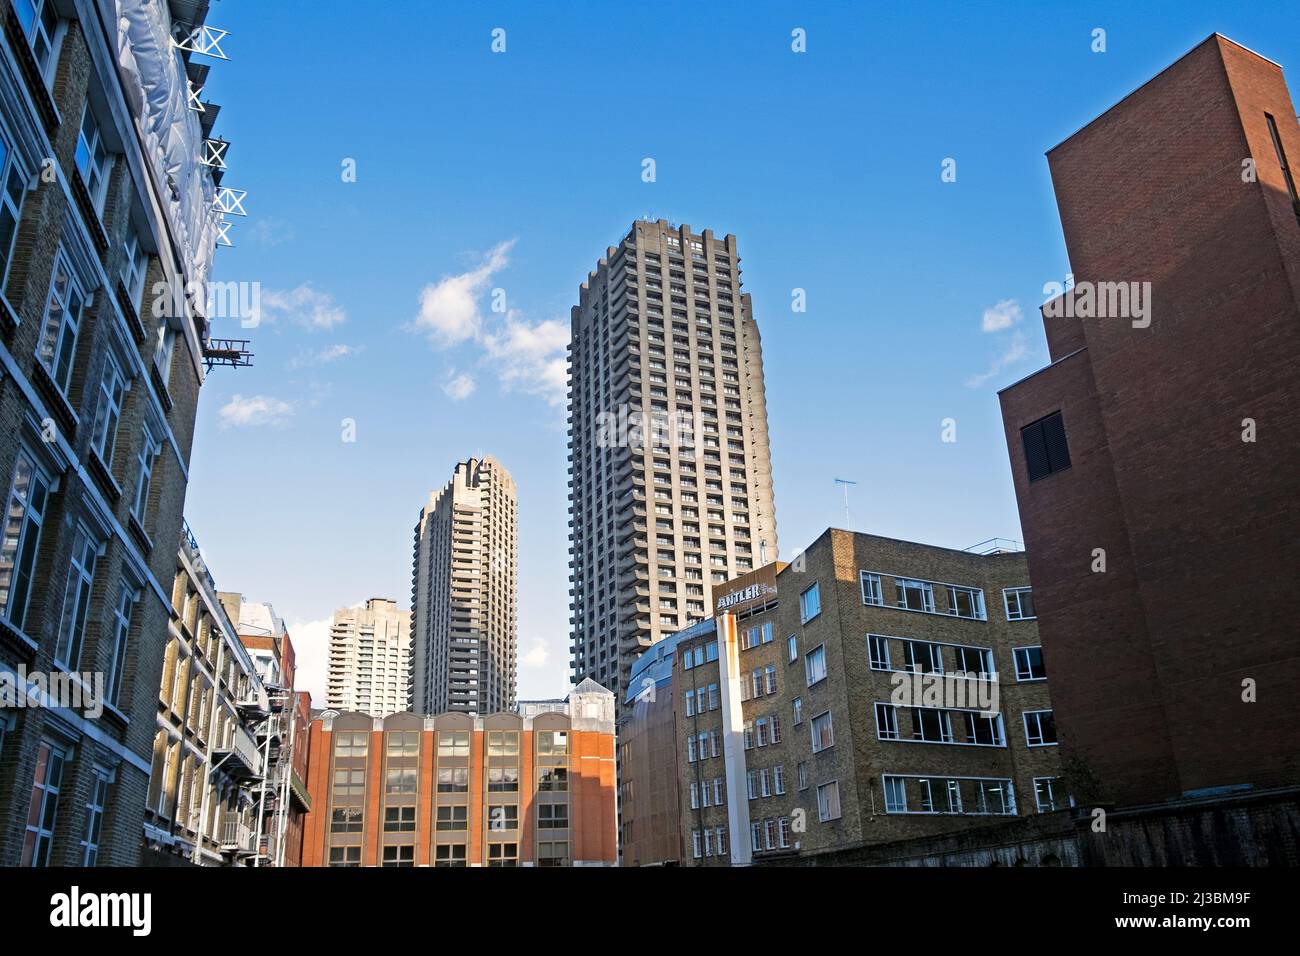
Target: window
[(553, 742), (112, 387), (1040, 728), (100, 780), (878, 652), (751, 784), (966, 602), (13, 189), (149, 449), (399, 855), (453, 780), (349, 783), (823, 733), (162, 351), (396, 819), (983, 730), (451, 818), (1046, 451), (886, 722), (122, 610), (1029, 663), (40, 21), (345, 856), (810, 604), (802, 773), (503, 854), (400, 780), (922, 657), (553, 853), (792, 648), (347, 819), (58, 343), (503, 743), (503, 780), (135, 265), (1019, 603), (1045, 797), (691, 753), (973, 660), (1281, 161), (453, 743), (931, 725), (814, 664), (690, 703), (503, 816), (76, 600), (28, 497), (449, 854), (770, 674), (553, 779), (404, 743), (44, 807), (552, 816), (92, 158), (713, 696), (828, 801), (798, 711), (351, 745), (871, 593), (972, 796), (915, 595)]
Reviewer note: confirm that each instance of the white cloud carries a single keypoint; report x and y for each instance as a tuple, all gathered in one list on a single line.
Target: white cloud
[(309, 358), (1016, 350), (449, 312), (311, 644), (458, 387), (536, 655), (1001, 316), (270, 232), (304, 306), (254, 411), (531, 357)]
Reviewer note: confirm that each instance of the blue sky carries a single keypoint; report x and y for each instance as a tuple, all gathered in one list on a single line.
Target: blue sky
[(477, 171)]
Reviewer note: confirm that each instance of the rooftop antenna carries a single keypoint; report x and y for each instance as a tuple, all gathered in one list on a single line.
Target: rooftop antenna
[(846, 482)]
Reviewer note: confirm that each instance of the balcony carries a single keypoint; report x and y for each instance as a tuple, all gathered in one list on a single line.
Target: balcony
[(237, 837), (239, 757)]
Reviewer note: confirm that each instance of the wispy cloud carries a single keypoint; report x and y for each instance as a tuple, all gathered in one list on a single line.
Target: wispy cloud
[(304, 306), (270, 232), (1001, 316), (1015, 350), (536, 656), (310, 358), (449, 312), (255, 411), (458, 387), (527, 357)]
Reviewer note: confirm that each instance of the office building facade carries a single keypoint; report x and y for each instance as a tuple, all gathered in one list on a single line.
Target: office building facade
[(370, 659), (670, 476)]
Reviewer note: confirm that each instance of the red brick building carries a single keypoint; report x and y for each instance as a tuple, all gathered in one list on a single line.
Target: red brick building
[(531, 788), (1157, 458)]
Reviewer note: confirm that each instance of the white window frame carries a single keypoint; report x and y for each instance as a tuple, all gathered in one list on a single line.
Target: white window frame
[(817, 746), (912, 664), (13, 192), (796, 707), (791, 649), (61, 342), (164, 347), (108, 412), (150, 449), (872, 594), (823, 801), (888, 728), (94, 175), (1038, 723), (1051, 793), (48, 790), (39, 30), (96, 807), (135, 267), (813, 589), (872, 659), (978, 608), (1019, 614), (30, 521), (926, 588), (1030, 679), (807, 665), (77, 596)]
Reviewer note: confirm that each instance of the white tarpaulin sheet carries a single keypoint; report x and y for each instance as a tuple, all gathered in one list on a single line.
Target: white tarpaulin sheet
[(172, 133)]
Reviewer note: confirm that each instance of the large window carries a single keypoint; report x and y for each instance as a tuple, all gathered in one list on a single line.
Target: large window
[(1046, 450), (878, 652), (454, 743), (828, 801), (351, 744), (345, 856), (453, 780), (503, 854), (823, 732), (1047, 794), (871, 593), (1019, 603), (552, 816), (966, 602), (399, 855), (112, 387), (92, 158), (149, 449), (970, 796), (164, 345), (449, 854), (452, 818), (24, 515), (351, 819), (40, 21), (502, 743), (58, 344), (1029, 663), (95, 807), (552, 779), (553, 853), (76, 600), (503, 816), (553, 742), (13, 189), (814, 664), (922, 657), (914, 595), (810, 603), (503, 780), (1040, 728), (135, 266), (44, 807)]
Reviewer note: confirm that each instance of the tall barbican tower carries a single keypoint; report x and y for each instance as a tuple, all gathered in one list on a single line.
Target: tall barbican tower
[(670, 474)]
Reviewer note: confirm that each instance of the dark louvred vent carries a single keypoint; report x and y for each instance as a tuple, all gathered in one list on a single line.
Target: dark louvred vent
[(1046, 451)]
